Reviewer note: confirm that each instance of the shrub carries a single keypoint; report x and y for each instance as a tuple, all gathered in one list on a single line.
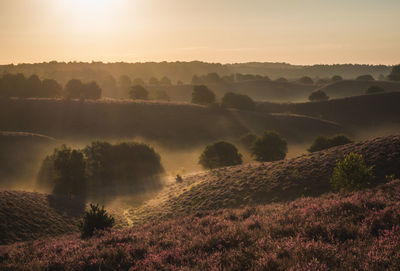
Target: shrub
[(138, 92), (366, 77), (352, 173), (306, 80), (220, 154), (178, 178), (336, 78), (95, 219), (318, 95), (248, 139), (202, 95), (374, 89), (238, 101), (269, 147), (322, 142)]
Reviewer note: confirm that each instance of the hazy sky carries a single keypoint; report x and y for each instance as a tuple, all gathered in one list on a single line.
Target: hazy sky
[(294, 31)]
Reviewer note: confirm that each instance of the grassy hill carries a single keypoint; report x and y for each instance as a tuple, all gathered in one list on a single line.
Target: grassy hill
[(359, 231), (171, 124), (248, 184), (347, 88), (365, 111)]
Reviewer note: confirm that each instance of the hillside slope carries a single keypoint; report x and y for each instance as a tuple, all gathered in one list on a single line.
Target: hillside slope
[(307, 175), (359, 231)]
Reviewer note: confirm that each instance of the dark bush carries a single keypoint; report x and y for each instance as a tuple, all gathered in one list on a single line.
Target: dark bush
[(306, 80), (395, 73), (374, 89), (138, 92), (323, 142), (366, 77), (220, 154), (95, 219), (248, 139), (238, 101), (269, 147), (75, 89), (336, 78), (352, 173), (318, 95), (202, 95)]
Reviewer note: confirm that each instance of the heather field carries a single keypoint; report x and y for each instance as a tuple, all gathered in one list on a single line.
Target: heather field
[(358, 231)]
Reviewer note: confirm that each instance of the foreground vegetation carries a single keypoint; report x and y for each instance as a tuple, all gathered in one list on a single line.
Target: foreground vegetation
[(359, 231)]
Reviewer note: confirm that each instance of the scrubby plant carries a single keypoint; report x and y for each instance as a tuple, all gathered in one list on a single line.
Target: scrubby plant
[(374, 89), (269, 147), (95, 219), (238, 101), (323, 142), (352, 173), (318, 95), (202, 95), (220, 154)]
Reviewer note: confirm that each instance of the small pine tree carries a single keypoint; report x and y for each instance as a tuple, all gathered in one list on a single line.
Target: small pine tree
[(95, 219)]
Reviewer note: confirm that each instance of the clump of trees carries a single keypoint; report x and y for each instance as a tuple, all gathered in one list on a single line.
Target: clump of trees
[(269, 147), (238, 101), (323, 142), (374, 89), (395, 73), (95, 218), (352, 173), (365, 77), (220, 154), (139, 92), (129, 166), (318, 95), (202, 95), (17, 85), (75, 89)]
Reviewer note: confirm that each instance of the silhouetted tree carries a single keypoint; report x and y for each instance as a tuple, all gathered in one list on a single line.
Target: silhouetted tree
[(73, 89), (51, 88), (202, 95), (374, 89), (306, 80), (95, 219), (165, 81), (139, 92), (220, 154), (336, 78), (323, 142), (366, 77), (395, 73), (318, 95), (91, 91), (153, 81), (269, 147), (125, 84), (33, 87), (238, 101)]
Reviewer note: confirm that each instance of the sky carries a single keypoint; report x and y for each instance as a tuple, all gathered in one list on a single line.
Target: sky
[(227, 31)]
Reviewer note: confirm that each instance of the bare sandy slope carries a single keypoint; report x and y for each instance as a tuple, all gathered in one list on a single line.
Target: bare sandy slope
[(256, 183)]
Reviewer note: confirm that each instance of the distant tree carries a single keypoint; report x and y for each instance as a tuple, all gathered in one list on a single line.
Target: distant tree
[(281, 80), (154, 81), (165, 81), (247, 140), (220, 154), (73, 89), (50, 88), (124, 83), (162, 95), (374, 89), (33, 87), (318, 95), (179, 83), (238, 101), (138, 81), (139, 92), (69, 168), (322, 142), (91, 91), (395, 73), (95, 219), (306, 80), (109, 86), (336, 78), (366, 77), (202, 95), (212, 78), (269, 147)]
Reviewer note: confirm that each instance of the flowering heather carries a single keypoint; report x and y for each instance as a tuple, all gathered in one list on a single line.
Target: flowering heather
[(358, 231)]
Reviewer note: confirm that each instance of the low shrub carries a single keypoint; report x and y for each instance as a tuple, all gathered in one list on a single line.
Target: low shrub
[(318, 95), (95, 219), (220, 154), (269, 147), (352, 173), (323, 142), (238, 101)]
